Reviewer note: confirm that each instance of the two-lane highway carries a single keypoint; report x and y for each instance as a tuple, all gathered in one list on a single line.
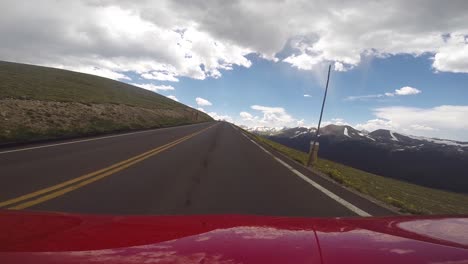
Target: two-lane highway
[(209, 168)]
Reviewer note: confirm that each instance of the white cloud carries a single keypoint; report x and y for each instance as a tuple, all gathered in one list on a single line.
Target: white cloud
[(407, 91), (422, 127), (445, 121), (366, 97), (268, 109), (173, 97), (201, 109), (245, 116), (375, 124), (335, 121), (110, 38), (269, 117), (300, 123), (154, 88), (448, 116), (303, 61), (220, 117), (453, 56), (198, 39), (339, 121), (338, 66), (307, 95), (202, 102), (160, 76)]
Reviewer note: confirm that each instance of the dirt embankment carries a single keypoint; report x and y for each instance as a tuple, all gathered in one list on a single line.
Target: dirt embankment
[(31, 120)]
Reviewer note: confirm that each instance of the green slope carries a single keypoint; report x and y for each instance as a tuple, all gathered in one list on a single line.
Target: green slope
[(40, 103)]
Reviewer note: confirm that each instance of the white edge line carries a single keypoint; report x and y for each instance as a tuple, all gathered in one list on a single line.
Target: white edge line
[(84, 140), (335, 197)]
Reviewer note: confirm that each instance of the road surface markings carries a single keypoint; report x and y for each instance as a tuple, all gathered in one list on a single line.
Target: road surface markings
[(82, 140), (330, 194), (86, 179)]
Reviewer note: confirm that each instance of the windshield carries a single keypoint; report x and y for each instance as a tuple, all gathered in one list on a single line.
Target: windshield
[(277, 108)]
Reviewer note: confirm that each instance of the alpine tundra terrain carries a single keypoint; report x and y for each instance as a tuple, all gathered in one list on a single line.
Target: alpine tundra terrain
[(38, 103)]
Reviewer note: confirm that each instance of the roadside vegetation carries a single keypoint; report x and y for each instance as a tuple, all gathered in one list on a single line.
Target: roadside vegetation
[(409, 198), (38, 103)]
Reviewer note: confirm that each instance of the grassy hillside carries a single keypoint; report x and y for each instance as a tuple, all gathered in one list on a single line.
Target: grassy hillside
[(40, 103), (409, 198)]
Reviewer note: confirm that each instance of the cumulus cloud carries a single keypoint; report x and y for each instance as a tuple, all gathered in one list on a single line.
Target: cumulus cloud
[(217, 116), (449, 116), (453, 56), (110, 38), (160, 76), (220, 117), (303, 61), (338, 66), (321, 30), (268, 116), (422, 127), (300, 123), (245, 116), (173, 97), (268, 109), (166, 40), (406, 90), (335, 121), (445, 121), (375, 124), (202, 102), (154, 88)]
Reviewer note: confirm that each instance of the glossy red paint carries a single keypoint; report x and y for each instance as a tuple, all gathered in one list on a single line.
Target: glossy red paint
[(33, 237)]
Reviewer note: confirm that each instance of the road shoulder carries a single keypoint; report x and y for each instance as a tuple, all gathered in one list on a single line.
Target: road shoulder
[(368, 204)]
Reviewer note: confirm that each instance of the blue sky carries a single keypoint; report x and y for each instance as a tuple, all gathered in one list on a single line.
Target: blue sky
[(396, 64), (277, 84)]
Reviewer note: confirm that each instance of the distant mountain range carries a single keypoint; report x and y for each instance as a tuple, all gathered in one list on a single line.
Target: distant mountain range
[(431, 162)]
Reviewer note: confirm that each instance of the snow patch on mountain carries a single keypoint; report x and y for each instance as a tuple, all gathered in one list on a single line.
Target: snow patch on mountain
[(299, 133), (440, 141), (393, 136), (345, 132)]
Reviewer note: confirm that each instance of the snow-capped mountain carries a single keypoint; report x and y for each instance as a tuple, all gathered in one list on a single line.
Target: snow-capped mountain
[(380, 136), (437, 163), (266, 131)]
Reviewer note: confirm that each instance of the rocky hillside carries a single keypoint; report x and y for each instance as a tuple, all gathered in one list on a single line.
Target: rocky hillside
[(436, 163), (39, 103)]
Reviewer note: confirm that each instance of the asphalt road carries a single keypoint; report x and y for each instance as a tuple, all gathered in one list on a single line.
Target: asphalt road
[(209, 168)]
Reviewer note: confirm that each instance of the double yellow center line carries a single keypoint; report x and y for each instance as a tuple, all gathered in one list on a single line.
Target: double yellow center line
[(57, 190)]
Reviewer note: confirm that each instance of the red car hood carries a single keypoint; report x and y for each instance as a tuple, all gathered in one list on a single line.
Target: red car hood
[(30, 237)]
